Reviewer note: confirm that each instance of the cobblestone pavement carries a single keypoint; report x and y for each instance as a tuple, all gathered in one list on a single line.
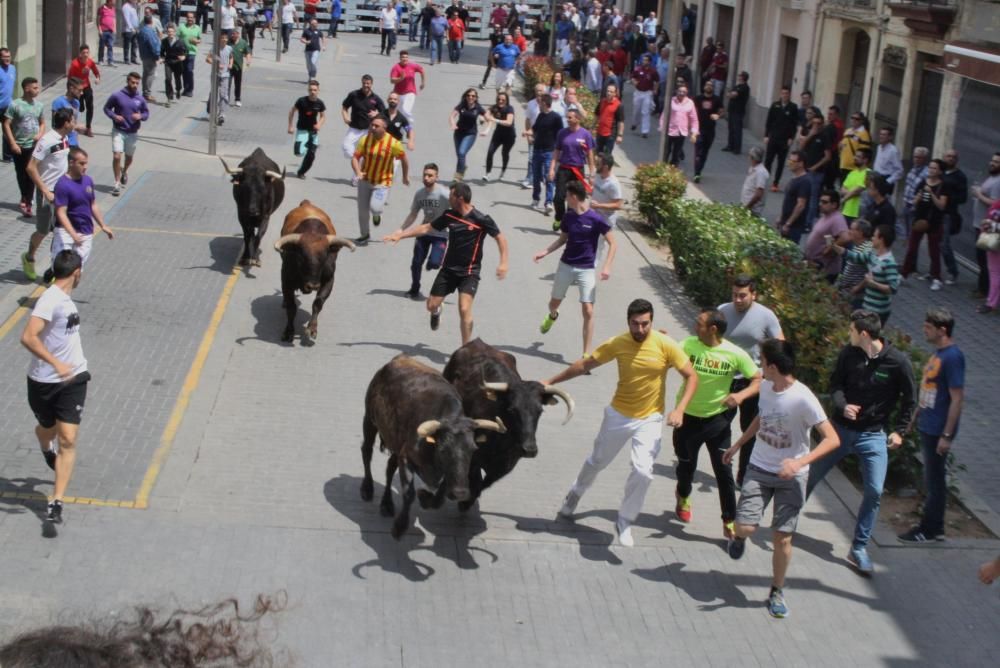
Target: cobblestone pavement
[(257, 490)]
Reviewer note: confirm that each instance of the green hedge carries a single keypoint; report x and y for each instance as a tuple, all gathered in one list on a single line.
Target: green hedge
[(711, 243)]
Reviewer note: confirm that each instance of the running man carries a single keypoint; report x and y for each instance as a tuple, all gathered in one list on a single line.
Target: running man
[(432, 200), (581, 231), (76, 209), (710, 413), (374, 163), (49, 162), (57, 374), (463, 260), (403, 77), (358, 109), (635, 415), (312, 116), (779, 465), (128, 110), (573, 152)]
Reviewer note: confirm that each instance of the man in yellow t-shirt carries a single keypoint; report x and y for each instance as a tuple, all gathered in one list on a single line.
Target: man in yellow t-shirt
[(635, 415), (374, 162)]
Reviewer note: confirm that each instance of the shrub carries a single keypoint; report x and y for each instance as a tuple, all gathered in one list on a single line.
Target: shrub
[(657, 186), (539, 69)]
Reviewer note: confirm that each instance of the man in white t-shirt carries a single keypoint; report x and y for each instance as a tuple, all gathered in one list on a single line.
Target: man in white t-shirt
[(387, 26), (57, 375), (779, 465), (607, 197), (49, 161)]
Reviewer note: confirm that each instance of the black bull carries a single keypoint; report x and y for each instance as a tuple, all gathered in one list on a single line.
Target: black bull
[(258, 188)]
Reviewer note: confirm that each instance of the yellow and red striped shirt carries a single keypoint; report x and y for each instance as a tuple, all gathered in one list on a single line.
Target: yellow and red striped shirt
[(378, 156)]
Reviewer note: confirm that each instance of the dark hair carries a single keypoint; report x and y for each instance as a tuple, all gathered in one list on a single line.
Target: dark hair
[(864, 227), (716, 319), (462, 191), (806, 92), (745, 75), (134, 75), (576, 189), (367, 77), (878, 182), (891, 130), (866, 322), (888, 234), (65, 263), (779, 353), (865, 152), (638, 307), (939, 316), (432, 165), (798, 155), (940, 163), (835, 108), (148, 20), (605, 159), (82, 47), (546, 100), (832, 194), (27, 81), (313, 82), (404, 52), (61, 117), (76, 151), (787, 87), (745, 281), (73, 81)]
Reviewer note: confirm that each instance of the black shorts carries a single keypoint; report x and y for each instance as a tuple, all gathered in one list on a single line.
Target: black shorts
[(448, 281), (58, 402)]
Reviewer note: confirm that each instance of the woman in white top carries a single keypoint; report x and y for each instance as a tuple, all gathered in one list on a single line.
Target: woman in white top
[(557, 89)]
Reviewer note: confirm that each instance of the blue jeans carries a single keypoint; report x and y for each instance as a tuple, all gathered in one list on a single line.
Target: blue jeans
[(816, 180), (463, 144), (935, 484), (312, 63), (412, 27), (540, 163), (107, 44), (873, 457), (437, 46), (426, 248), (454, 50)]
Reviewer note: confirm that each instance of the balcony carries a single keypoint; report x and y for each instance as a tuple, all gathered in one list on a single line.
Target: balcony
[(926, 18)]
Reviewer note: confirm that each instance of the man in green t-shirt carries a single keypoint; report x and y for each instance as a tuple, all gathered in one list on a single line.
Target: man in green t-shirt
[(23, 125), (190, 34), (242, 57), (854, 185), (710, 412)]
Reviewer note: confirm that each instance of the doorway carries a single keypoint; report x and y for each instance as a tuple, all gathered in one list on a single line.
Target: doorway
[(786, 61), (724, 26), (859, 71), (929, 96)]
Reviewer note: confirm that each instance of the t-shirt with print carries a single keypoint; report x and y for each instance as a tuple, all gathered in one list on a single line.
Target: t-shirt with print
[(360, 105), (642, 371), (78, 198), (574, 146), (309, 111), (433, 202), (25, 118), (60, 336), (748, 328), (583, 232), (607, 190), (468, 117), (52, 154), (716, 367), (63, 102), (786, 418), (313, 39), (944, 371), (464, 256)]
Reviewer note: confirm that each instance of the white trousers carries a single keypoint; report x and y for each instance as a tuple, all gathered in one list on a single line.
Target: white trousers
[(61, 240), (643, 435), (406, 102), (642, 109), (371, 202), (351, 140)]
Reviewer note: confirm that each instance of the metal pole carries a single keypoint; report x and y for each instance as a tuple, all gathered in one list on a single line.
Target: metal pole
[(676, 11), (277, 42), (213, 96)]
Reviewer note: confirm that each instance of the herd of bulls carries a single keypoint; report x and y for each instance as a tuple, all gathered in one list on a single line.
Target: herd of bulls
[(457, 432)]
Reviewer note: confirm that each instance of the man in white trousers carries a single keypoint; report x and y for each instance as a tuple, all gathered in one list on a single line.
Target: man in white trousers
[(635, 415), (403, 78), (645, 79), (357, 110)]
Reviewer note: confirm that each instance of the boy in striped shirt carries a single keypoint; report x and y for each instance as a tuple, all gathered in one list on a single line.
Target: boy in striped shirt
[(373, 164), (882, 280)]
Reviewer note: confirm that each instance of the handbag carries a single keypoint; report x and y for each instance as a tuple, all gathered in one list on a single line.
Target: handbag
[(921, 226), (988, 241)]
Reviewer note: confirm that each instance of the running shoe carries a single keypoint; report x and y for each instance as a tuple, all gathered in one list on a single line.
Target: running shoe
[(238, 103), (923, 277), (28, 266), (362, 241), (951, 280), (776, 604), (50, 458), (525, 184), (775, 188), (534, 204), (556, 225), (376, 220), (935, 285), (486, 178), (117, 190), (858, 557), (915, 536), (569, 505), (54, 512), (503, 173), (436, 320), (736, 547), (413, 294), (23, 206), (729, 529), (683, 508), (624, 531), (124, 178), (27, 210), (547, 322), (548, 208), (697, 178)]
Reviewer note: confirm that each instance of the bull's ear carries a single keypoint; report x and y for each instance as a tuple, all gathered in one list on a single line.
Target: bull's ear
[(430, 439), (491, 395), (550, 400), (482, 438)]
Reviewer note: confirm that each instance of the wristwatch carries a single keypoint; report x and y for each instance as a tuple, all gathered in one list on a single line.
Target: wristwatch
[(948, 436)]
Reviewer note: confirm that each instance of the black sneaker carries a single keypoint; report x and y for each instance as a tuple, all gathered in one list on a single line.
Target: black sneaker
[(50, 458), (376, 220), (413, 294), (124, 180), (54, 512), (362, 241), (736, 547), (916, 535), (436, 320)]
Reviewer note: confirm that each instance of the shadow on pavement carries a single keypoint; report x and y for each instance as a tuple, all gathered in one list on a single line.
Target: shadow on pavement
[(534, 351), (225, 251), (417, 350), (595, 545), (451, 532), (16, 505), (535, 230), (270, 318), (15, 276)]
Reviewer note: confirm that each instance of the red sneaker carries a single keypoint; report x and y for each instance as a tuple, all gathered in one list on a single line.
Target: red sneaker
[(683, 508)]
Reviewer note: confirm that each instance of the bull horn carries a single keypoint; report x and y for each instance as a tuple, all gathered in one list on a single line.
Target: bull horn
[(428, 428), (564, 395), (491, 425), (496, 387), (287, 239), (274, 175), (339, 242), (231, 172)]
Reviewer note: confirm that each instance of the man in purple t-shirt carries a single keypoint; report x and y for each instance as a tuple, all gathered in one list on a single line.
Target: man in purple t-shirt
[(573, 153), (581, 231), (76, 209)]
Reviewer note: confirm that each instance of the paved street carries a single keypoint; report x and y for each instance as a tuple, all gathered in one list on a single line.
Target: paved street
[(235, 461)]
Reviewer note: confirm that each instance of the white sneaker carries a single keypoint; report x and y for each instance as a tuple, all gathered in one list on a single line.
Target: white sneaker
[(935, 285), (238, 103), (503, 173), (525, 184), (950, 281), (624, 531), (548, 209), (486, 177), (569, 505), (534, 204)]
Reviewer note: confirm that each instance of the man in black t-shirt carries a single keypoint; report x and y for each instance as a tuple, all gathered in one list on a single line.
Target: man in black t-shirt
[(708, 105), (312, 115), (736, 110), (792, 222), (542, 136), (397, 123), (315, 43), (460, 269), (358, 109)]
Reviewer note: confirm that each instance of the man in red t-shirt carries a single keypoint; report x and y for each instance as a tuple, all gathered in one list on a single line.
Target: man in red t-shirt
[(719, 69), (81, 68), (520, 40), (619, 59), (456, 36), (403, 76), (645, 79), (610, 115)]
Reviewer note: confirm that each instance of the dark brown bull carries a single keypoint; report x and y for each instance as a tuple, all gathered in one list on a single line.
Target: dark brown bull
[(258, 188), (309, 246), (489, 384), (418, 416)]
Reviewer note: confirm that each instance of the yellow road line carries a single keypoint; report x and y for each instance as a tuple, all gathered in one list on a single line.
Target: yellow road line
[(19, 312), (184, 398), (177, 232), (78, 500)]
